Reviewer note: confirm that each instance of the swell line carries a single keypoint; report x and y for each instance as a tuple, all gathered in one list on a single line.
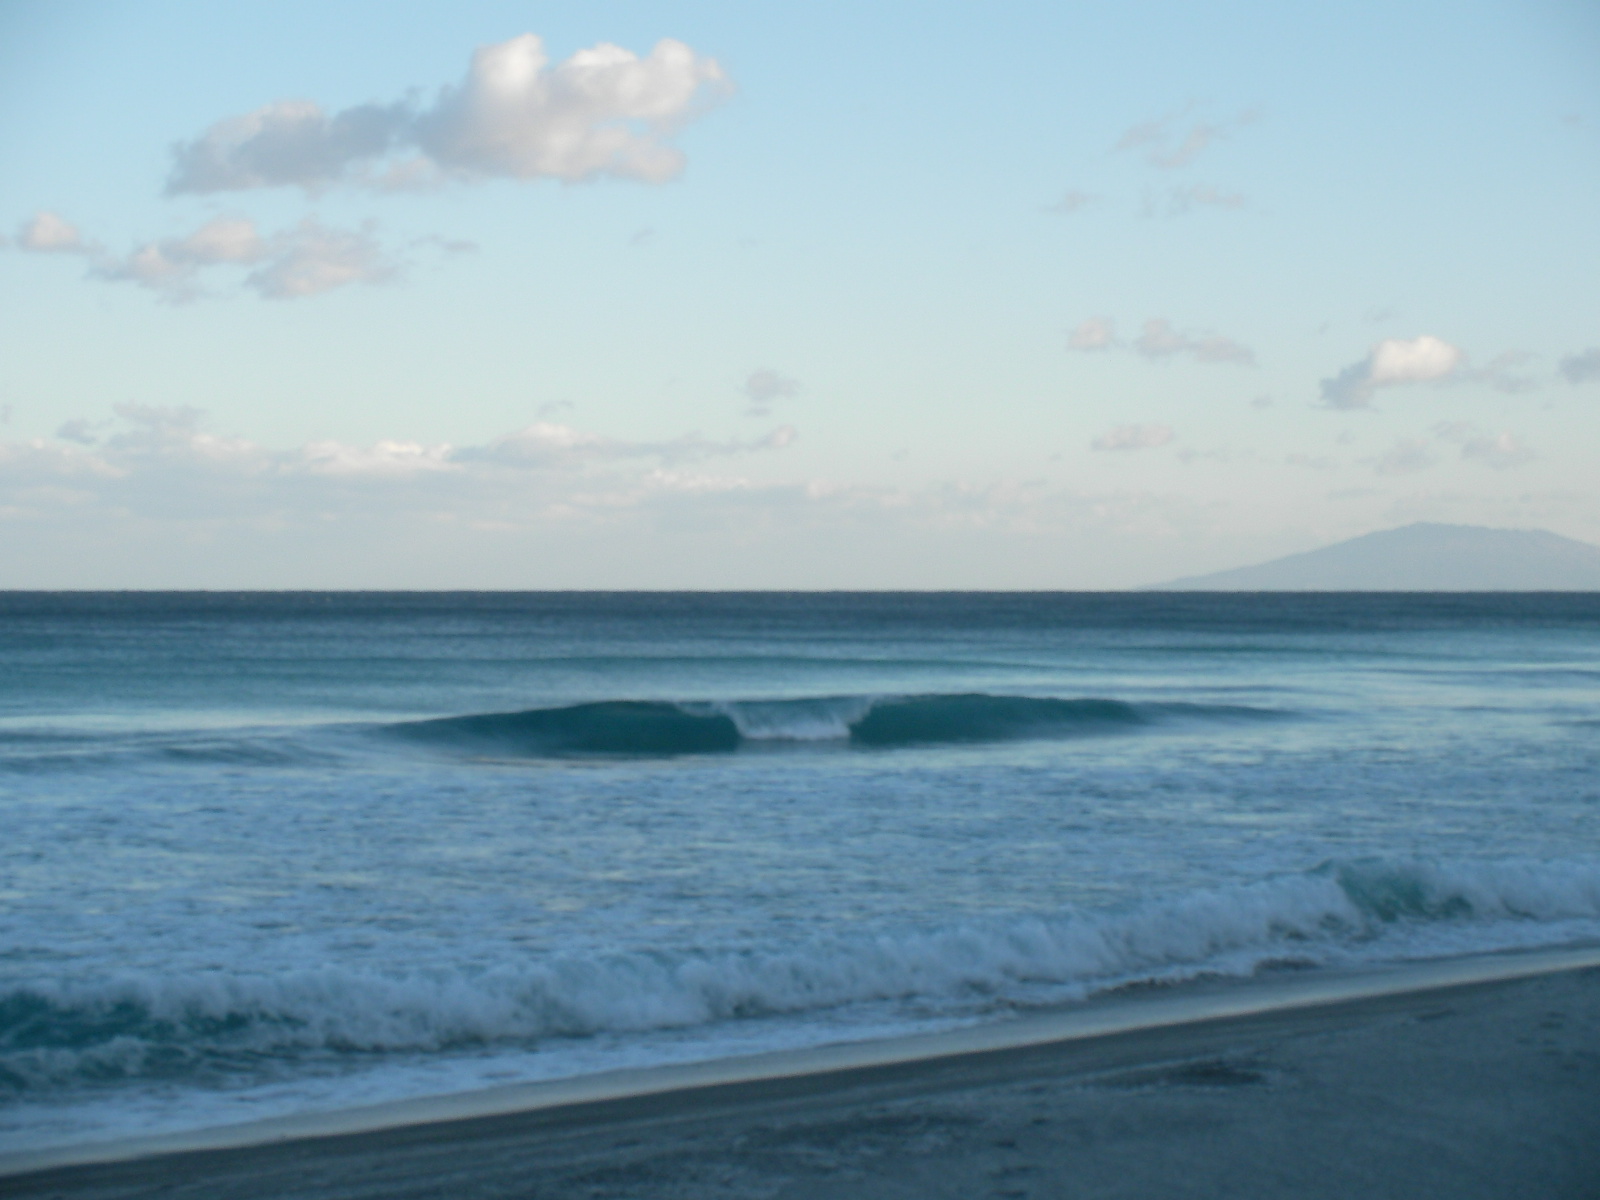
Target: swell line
[(656, 727)]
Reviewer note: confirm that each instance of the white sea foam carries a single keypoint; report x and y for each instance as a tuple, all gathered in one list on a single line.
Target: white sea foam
[(819, 719), (215, 1020)]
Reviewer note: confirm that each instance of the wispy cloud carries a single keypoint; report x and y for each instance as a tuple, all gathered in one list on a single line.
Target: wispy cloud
[(1072, 201), (1583, 367), (764, 387), (1503, 372), (1096, 333), (1160, 341), (1181, 201), (1133, 437), (604, 111), (1176, 140), (1499, 450), (307, 259), (1405, 457)]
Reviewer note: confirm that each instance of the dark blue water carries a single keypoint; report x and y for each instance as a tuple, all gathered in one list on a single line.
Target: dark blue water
[(266, 853)]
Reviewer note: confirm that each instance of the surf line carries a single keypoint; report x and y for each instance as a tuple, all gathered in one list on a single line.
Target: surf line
[(1098, 1018)]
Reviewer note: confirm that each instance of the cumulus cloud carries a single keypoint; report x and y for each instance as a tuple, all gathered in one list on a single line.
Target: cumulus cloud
[(604, 111), (1097, 333), (1160, 342), (1133, 437), (1583, 367), (1392, 362), (763, 387)]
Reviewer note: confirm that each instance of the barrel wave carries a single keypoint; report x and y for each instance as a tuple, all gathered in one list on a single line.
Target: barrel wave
[(661, 728)]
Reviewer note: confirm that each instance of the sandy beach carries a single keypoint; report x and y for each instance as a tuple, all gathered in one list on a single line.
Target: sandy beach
[(1476, 1088)]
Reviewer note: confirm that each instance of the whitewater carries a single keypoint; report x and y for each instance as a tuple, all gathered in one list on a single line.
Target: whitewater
[(263, 854)]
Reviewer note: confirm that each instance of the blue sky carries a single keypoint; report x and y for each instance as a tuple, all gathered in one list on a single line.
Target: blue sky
[(892, 295)]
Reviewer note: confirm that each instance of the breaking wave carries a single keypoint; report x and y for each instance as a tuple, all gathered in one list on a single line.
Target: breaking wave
[(652, 727), (220, 1024)]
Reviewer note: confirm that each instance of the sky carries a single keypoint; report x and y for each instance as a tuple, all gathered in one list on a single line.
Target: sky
[(781, 295)]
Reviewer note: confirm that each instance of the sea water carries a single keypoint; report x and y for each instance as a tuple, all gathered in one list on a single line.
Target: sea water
[(279, 853)]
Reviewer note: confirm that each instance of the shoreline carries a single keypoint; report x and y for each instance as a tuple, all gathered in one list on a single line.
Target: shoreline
[(1161, 1017)]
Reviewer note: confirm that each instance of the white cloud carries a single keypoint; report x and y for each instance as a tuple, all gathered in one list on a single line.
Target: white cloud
[(1133, 437), (764, 386), (1159, 341), (1583, 367), (163, 462), (384, 457), (604, 111), (546, 444), (48, 233), (1419, 360), (306, 260), (1097, 333), (1392, 362), (170, 266), (312, 258)]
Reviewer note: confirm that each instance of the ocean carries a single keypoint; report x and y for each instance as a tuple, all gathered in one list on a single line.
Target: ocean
[(274, 853)]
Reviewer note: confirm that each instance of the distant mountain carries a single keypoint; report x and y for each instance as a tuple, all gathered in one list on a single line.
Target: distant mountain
[(1420, 558)]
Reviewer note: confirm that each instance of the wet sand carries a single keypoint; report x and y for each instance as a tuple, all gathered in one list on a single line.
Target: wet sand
[(1462, 1089)]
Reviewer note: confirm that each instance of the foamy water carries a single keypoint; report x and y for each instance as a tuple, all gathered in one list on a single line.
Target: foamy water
[(267, 855)]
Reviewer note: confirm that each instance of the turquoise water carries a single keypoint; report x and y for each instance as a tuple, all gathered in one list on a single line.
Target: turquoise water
[(273, 853)]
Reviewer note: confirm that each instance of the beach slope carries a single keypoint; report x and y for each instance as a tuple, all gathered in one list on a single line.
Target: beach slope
[(1470, 1089)]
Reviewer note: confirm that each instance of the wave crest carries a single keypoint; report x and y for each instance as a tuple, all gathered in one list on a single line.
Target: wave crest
[(222, 1023), (653, 727)]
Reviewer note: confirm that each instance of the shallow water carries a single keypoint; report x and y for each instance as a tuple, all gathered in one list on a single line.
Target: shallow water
[(264, 854)]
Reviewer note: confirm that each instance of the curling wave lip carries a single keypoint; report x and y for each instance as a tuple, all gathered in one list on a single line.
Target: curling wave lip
[(661, 728)]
